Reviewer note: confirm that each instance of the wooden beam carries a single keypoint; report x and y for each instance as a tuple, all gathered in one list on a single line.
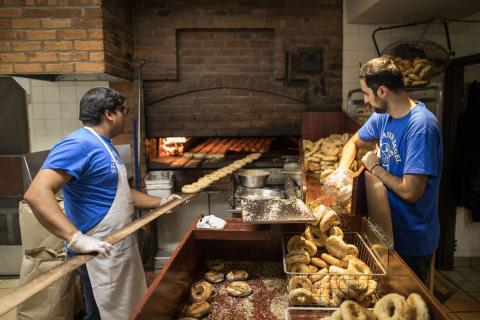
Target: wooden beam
[(24, 292)]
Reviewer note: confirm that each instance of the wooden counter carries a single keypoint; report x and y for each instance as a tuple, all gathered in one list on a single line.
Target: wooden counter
[(168, 293)]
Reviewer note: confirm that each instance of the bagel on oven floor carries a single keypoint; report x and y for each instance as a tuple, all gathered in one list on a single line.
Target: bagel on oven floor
[(237, 275), (239, 289), (200, 291), (197, 309), (214, 276)]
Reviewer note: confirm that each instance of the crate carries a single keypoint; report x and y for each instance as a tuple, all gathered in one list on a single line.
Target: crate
[(342, 284)]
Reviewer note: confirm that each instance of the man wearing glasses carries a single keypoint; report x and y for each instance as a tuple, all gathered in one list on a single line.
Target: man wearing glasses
[(98, 201)]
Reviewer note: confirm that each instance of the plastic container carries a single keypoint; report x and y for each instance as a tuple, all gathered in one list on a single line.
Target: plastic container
[(159, 183)]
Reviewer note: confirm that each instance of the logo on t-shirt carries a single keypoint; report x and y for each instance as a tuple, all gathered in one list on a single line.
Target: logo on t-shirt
[(389, 149), (113, 167)]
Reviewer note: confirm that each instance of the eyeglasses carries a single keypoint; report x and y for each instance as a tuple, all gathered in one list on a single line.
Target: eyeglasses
[(124, 110)]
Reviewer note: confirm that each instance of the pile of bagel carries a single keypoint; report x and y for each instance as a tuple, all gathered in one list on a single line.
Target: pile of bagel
[(390, 307), (202, 292), (208, 179), (329, 269), (416, 72), (322, 156)]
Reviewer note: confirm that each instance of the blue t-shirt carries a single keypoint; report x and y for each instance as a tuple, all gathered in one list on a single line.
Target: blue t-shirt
[(411, 144), (90, 193)]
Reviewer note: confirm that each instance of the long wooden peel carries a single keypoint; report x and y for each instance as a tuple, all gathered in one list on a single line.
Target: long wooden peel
[(24, 292)]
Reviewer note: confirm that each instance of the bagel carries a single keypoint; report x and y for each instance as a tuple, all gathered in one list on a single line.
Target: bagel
[(214, 276), (418, 306), (187, 318), (239, 289), (237, 275), (336, 270), (371, 287), (200, 291), (344, 282), (298, 268), (309, 247), (313, 234), (390, 307), (298, 258), (300, 296), (335, 231), (328, 297), (312, 268), (318, 212), (197, 309), (215, 264), (317, 276), (188, 188), (293, 242), (351, 310), (328, 220), (318, 262), (331, 259), (299, 282), (338, 248)]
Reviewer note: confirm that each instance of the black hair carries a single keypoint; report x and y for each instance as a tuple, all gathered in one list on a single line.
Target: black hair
[(382, 72), (96, 101)]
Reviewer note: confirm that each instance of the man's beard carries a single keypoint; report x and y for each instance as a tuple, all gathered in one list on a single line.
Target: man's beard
[(382, 108)]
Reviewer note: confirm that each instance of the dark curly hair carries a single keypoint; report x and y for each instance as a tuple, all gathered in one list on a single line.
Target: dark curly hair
[(382, 72), (96, 101)]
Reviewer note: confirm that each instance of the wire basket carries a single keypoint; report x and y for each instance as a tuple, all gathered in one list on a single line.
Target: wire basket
[(355, 286), (305, 313)]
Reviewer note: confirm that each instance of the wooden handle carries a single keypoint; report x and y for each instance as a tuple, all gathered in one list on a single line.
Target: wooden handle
[(30, 288)]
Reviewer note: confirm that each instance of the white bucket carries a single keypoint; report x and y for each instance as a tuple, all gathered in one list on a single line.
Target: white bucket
[(159, 183)]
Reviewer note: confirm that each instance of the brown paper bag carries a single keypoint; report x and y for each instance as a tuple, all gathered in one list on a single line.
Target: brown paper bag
[(57, 301)]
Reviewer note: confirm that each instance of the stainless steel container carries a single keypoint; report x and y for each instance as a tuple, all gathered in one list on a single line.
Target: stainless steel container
[(252, 178)]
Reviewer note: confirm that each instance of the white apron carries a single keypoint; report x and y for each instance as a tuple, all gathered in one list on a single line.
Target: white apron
[(118, 281)]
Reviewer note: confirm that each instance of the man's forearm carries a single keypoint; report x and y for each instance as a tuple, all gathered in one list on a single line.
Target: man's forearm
[(392, 182), (348, 155), (144, 201)]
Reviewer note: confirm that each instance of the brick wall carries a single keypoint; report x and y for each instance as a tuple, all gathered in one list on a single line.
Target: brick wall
[(64, 37), (220, 69)]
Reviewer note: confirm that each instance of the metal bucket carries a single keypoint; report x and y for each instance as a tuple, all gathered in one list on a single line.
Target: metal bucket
[(252, 178)]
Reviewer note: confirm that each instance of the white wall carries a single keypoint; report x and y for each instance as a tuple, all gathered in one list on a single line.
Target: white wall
[(53, 109), (358, 45)]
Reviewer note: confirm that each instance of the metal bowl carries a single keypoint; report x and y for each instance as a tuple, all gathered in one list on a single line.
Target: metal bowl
[(259, 194), (252, 178)]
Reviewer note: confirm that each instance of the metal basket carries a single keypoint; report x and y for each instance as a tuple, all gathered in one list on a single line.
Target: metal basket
[(305, 313), (342, 286)]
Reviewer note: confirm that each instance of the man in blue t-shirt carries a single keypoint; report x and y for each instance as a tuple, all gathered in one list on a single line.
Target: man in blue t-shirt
[(98, 202), (409, 161)]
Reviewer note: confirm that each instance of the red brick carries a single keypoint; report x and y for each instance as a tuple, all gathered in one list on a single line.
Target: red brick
[(72, 56), (26, 45), (59, 67), (25, 23), (88, 45), (41, 35), (87, 23), (11, 35), (95, 34), (28, 67), (6, 68), (92, 12), (10, 12), (56, 23), (89, 67), (13, 57), (97, 56), (42, 56), (4, 24), (52, 12), (57, 45), (71, 34), (5, 46)]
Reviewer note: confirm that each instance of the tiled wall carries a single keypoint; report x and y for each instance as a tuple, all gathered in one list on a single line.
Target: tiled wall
[(53, 109), (358, 45)]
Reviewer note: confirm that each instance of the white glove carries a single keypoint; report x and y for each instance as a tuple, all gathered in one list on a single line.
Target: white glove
[(82, 243), (339, 178), (169, 198)]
